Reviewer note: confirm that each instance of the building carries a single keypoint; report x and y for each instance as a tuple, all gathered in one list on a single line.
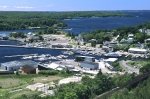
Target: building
[(4, 37), (33, 38), (137, 51), (147, 40), (25, 66), (87, 62), (111, 60), (147, 31), (112, 55), (107, 48), (89, 65), (61, 46), (130, 38), (85, 59)]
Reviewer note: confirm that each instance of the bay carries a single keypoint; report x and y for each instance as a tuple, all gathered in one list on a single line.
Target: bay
[(82, 25)]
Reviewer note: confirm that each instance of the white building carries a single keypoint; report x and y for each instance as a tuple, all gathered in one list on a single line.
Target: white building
[(130, 38), (137, 51), (147, 31)]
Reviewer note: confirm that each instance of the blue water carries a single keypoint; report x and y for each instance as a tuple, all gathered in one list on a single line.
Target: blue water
[(83, 25), (8, 42), (10, 51), (78, 26)]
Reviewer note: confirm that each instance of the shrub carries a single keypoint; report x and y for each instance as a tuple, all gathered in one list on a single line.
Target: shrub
[(48, 72)]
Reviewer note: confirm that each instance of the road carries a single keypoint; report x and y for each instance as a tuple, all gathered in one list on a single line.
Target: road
[(128, 68)]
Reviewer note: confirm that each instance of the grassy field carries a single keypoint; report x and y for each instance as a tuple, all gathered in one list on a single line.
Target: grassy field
[(14, 86), (138, 64)]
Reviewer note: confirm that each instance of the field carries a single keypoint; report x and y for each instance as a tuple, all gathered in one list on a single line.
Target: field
[(14, 86)]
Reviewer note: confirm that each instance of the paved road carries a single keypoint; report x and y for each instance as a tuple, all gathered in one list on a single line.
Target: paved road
[(128, 68)]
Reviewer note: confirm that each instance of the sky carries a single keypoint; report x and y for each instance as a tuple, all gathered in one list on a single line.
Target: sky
[(73, 5)]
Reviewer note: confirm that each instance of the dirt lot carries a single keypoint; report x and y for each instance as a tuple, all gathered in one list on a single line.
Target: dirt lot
[(46, 79)]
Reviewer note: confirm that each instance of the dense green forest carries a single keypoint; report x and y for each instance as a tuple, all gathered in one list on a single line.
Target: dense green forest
[(140, 92), (24, 20)]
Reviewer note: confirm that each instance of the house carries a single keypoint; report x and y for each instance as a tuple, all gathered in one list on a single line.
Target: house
[(32, 38), (113, 43), (147, 40), (147, 31), (141, 30), (130, 38), (4, 37), (137, 51), (57, 46), (107, 48), (26, 69), (24, 66)]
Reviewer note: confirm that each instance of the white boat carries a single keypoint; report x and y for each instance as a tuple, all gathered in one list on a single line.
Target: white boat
[(27, 57)]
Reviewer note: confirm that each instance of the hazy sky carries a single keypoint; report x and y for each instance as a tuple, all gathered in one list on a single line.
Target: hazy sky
[(73, 5)]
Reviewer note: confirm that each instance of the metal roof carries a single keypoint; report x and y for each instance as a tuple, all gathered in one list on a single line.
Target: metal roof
[(19, 63), (89, 65)]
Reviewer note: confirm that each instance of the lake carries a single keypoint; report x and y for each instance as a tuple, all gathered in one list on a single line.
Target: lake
[(82, 25)]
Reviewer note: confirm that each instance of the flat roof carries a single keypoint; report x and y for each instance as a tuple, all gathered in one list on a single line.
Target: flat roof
[(89, 64), (85, 56), (19, 63), (53, 66), (111, 59), (138, 49)]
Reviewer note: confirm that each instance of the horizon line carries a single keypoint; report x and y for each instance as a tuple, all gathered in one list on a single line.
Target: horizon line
[(67, 11)]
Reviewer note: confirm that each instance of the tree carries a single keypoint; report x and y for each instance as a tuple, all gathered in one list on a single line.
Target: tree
[(145, 68), (140, 37), (70, 95)]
